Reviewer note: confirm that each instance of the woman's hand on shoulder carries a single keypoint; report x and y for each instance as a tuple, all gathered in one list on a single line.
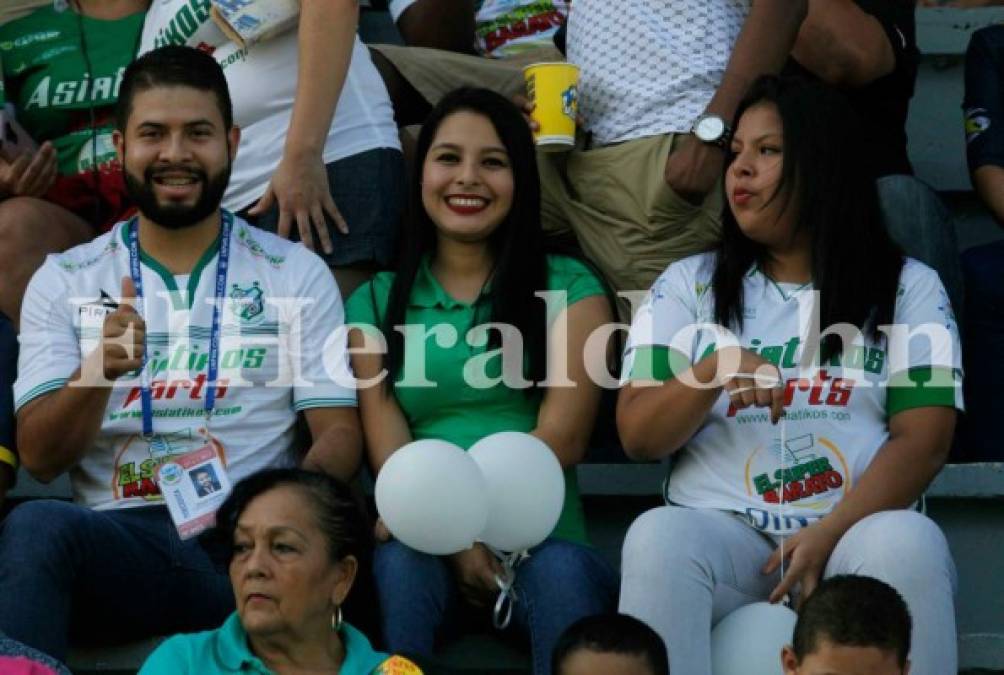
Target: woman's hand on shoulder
[(751, 381), (807, 552), (476, 570), (300, 188), (29, 174)]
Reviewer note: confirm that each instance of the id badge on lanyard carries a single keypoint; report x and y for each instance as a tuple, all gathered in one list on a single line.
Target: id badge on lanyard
[(194, 486), (196, 483)]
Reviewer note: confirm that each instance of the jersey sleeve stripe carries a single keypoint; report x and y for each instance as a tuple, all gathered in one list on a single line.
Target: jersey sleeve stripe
[(35, 392), (920, 387), (308, 403)]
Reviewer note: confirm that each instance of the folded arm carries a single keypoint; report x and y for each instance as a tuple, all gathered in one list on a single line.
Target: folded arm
[(55, 430), (842, 44), (337, 441)]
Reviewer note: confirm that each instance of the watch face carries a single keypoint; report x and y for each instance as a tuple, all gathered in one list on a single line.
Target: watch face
[(710, 128)]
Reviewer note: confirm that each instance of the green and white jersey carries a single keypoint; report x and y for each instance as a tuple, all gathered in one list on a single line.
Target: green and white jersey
[(47, 78), (837, 411), (67, 96), (282, 349)]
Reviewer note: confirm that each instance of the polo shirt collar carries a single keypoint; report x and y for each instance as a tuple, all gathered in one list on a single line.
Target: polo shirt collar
[(360, 657), (235, 652), (428, 293)]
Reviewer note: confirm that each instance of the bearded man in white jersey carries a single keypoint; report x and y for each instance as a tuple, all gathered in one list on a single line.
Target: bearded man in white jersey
[(182, 334)]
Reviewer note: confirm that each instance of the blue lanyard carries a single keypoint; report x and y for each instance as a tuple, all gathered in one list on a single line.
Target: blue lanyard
[(214, 335)]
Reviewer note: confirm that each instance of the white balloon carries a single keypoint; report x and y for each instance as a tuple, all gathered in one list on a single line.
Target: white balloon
[(431, 496), (526, 489), (749, 640)]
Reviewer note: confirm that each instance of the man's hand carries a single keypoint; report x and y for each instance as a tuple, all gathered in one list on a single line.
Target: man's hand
[(476, 569), (300, 186), (123, 336), (526, 106), (29, 174), (693, 168)]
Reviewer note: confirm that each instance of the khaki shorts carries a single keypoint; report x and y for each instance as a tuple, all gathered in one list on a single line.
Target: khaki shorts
[(624, 216), (436, 72)]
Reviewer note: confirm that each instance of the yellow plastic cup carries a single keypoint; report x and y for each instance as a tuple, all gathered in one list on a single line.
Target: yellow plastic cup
[(553, 87)]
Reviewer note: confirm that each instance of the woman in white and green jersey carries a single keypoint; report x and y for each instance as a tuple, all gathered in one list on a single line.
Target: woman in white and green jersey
[(795, 458)]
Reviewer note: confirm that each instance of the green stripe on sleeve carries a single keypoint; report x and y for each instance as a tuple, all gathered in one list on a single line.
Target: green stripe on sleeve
[(308, 403), (35, 392), (658, 363), (921, 387)]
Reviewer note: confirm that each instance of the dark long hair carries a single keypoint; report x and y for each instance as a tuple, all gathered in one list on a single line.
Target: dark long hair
[(855, 263), (517, 244), (339, 515)]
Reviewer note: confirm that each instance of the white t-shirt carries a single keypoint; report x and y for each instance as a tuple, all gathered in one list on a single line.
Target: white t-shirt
[(262, 83), (262, 342), (505, 28), (649, 67), (836, 415)]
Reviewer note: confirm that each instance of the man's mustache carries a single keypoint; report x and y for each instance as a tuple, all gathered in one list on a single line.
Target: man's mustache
[(195, 172)]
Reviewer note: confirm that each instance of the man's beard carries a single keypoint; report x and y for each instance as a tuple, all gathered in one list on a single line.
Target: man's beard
[(177, 216)]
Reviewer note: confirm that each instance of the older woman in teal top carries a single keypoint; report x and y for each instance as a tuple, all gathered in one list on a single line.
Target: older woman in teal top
[(297, 542), (482, 353)]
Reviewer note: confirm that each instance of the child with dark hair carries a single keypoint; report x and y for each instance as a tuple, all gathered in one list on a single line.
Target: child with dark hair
[(613, 644), (850, 625)]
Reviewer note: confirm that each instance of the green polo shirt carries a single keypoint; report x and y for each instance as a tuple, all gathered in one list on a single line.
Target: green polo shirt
[(453, 410), (226, 650)]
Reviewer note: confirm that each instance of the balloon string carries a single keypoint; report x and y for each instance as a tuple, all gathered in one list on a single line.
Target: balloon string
[(502, 613), (782, 511), (784, 504)]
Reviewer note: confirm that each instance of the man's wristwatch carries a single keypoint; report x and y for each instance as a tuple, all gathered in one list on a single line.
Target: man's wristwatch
[(713, 130)]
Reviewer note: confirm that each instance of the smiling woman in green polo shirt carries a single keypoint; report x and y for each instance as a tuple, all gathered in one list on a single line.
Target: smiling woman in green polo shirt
[(473, 254)]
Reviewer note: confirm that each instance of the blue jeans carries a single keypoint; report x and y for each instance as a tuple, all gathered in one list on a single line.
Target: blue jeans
[(982, 430), (103, 576), (920, 223), (558, 584)]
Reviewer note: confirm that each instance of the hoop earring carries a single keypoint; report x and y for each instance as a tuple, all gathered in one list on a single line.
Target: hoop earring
[(336, 619)]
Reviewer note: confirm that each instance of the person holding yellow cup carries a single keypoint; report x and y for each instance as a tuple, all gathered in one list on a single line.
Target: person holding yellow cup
[(553, 91)]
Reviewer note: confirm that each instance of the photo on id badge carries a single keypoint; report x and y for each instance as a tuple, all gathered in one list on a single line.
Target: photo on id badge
[(205, 481), (194, 486)]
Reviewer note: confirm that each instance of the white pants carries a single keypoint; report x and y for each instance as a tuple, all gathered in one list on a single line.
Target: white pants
[(684, 569)]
